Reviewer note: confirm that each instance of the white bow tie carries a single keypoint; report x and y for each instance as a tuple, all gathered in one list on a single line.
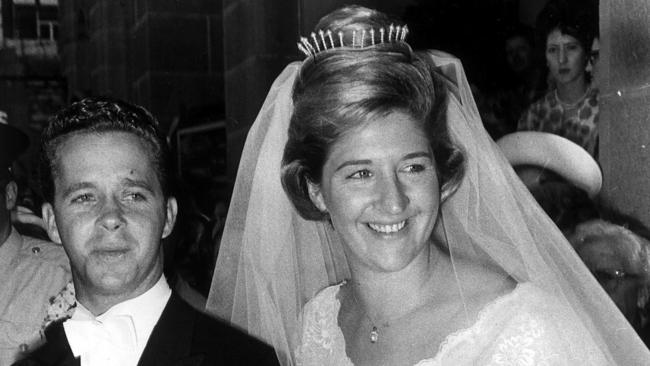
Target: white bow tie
[(109, 342)]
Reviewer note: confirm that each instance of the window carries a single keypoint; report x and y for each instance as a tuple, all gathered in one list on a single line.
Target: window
[(26, 20)]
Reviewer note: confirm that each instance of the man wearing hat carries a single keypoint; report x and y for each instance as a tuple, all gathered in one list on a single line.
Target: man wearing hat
[(31, 270)]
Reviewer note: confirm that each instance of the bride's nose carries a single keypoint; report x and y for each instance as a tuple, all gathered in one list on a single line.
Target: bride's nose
[(392, 196)]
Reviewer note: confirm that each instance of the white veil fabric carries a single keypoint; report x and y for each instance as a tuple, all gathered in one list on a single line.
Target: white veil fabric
[(272, 261)]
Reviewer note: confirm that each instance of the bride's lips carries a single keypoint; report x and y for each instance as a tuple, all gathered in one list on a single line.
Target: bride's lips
[(387, 228)]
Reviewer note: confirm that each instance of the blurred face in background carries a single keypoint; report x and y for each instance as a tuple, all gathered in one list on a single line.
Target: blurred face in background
[(565, 57), (518, 54)]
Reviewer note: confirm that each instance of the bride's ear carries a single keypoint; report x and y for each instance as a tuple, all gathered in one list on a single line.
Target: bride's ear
[(316, 196)]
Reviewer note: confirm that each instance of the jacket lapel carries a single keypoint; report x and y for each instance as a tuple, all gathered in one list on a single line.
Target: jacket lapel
[(196, 360), (170, 342)]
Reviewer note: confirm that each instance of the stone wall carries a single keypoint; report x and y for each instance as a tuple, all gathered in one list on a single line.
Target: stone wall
[(625, 105)]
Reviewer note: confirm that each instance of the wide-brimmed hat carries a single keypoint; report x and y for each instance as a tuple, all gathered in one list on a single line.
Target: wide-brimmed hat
[(556, 153), (13, 142)]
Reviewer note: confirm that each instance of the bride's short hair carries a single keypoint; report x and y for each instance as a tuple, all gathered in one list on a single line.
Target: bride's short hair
[(340, 90)]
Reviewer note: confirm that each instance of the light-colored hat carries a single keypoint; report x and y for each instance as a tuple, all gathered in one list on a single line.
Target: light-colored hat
[(555, 153)]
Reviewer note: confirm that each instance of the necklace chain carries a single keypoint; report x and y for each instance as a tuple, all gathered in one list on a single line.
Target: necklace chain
[(375, 326), (374, 332)]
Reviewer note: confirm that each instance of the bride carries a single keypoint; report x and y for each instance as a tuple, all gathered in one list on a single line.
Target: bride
[(374, 222)]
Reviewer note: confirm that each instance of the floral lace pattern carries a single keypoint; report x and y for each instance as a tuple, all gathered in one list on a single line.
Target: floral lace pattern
[(61, 306), (519, 349), (322, 340), (523, 328)]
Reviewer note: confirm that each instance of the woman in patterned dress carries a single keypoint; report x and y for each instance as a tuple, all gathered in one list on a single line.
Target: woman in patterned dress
[(570, 109)]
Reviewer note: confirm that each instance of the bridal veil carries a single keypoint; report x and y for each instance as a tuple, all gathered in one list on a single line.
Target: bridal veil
[(272, 261)]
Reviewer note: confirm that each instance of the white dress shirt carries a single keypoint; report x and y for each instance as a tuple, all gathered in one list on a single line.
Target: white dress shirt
[(118, 336)]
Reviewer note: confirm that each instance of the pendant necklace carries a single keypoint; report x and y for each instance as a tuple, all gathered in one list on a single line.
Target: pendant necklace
[(374, 335), (374, 332)]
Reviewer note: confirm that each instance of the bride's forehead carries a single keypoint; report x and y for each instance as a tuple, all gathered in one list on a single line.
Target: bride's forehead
[(394, 131)]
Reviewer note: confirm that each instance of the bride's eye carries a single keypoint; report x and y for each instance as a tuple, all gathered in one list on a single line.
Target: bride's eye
[(415, 168), (360, 174)]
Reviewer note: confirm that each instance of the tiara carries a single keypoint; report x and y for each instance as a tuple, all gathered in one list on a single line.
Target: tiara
[(327, 40)]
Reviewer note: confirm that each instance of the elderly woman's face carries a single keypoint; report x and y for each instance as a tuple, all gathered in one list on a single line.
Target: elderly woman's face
[(615, 264), (380, 188)]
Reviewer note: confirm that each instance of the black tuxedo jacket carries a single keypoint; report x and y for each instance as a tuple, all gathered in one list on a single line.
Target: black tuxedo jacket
[(182, 337)]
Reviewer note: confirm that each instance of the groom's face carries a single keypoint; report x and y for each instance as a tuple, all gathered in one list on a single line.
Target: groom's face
[(109, 212)]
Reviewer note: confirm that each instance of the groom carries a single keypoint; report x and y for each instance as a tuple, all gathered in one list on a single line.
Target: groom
[(105, 181)]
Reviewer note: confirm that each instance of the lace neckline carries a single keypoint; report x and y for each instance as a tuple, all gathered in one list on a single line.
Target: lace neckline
[(452, 338)]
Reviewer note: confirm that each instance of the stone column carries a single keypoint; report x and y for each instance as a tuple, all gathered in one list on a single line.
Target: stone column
[(258, 41), (625, 105)]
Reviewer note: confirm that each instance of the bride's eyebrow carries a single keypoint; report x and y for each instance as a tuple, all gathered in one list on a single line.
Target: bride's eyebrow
[(418, 154), (352, 162)]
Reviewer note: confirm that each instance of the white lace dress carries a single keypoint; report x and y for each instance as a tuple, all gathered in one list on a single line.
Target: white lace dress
[(525, 327)]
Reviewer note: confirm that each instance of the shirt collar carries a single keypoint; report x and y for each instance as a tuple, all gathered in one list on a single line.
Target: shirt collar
[(145, 310)]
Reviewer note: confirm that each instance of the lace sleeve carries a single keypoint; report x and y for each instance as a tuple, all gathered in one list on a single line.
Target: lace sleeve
[(542, 332), (321, 341)]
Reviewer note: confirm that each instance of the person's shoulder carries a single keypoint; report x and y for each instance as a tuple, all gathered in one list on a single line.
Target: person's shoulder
[(481, 278), (226, 332), (320, 337), (233, 343), (55, 349), (326, 301), (480, 285), (543, 303), (545, 101), (42, 249), (543, 310), (44, 253), (531, 116), (547, 323), (326, 295)]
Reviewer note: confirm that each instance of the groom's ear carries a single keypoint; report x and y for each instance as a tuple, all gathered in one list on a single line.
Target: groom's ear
[(50, 223)]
